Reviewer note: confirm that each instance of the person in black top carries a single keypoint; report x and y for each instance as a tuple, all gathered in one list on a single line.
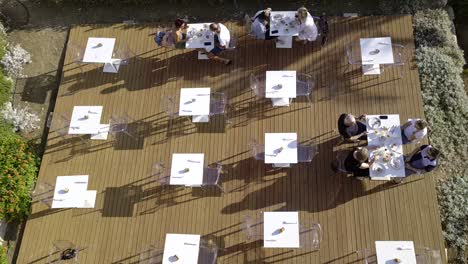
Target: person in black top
[(422, 159), (357, 162), (351, 128)]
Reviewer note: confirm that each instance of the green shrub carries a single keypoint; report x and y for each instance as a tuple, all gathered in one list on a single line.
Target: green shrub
[(453, 200), (3, 255), (18, 169), (426, 34)]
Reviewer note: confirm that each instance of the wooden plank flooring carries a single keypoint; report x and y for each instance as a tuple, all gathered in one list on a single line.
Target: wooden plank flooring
[(132, 210)]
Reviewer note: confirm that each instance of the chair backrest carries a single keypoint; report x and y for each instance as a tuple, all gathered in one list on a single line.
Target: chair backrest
[(306, 153), (232, 43), (310, 236), (305, 83), (257, 85), (60, 123), (63, 251), (75, 51), (124, 53), (208, 252), (43, 192), (248, 24), (218, 102), (119, 122), (353, 53), (428, 256), (169, 106), (212, 175), (161, 173), (340, 160), (257, 150), (399, 54), (151, 255), (252, 227)]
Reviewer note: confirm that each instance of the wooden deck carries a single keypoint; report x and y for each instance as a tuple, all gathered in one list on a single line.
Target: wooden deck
[(132, 210)]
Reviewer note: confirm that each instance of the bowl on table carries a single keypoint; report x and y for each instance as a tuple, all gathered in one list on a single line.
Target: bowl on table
[(374, 122), (396, 162), (377, 168)]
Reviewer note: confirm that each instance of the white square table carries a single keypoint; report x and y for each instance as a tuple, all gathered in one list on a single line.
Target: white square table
[(375, 51), (385, 137), (280, 149), (181, 248), (280, 86), (199, 36), (100, 50), (281, 230), (85, 120), (388, 251), (89, 199), (195, 102), (70, 191), (183, 161), (283, 25)]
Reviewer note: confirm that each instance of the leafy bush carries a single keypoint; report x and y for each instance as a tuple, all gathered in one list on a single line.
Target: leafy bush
[(18, 168), (3, 255), (21, 117), (14, 59), (427, 35), (453, 198)]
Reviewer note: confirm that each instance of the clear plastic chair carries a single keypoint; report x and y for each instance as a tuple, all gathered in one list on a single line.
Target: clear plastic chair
[(353, 53), (208, 252), (151, 255), (248, 24), (123, 53), (119, 123), (76, 52), (399, 58), (257, 150), (305, 85), (322, 25), (212, 176), (252, 227), (306, 153), (169, 106), (310, 236), (428, 256), (340, 161), (161, 173), (61, 126), (257, 85), (218, 103), (366, 256), (43, 192), (232, 43), (63, 251)]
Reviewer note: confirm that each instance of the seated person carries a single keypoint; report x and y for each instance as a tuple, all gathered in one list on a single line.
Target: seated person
[(413, 130), (422, 159), (307, 29), (352, 129), (175, 38), (357, 162), (261, 25), (222, 38)]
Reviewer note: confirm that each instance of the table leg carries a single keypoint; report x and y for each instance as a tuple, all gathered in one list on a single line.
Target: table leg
[(200, 118), (280, 101), (371, 69)]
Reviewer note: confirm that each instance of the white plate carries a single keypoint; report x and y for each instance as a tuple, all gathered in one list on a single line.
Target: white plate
[(378, 169), (374, 122)]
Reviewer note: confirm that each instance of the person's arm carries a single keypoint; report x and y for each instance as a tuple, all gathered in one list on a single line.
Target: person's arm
[(410, 156), (405, 125), (356, 137), (364, 165)]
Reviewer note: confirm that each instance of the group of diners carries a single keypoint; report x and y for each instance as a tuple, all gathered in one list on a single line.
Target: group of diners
[(422, 159)]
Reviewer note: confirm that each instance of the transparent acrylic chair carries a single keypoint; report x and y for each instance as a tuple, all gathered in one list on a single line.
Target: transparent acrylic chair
[(119, 123), (75, 53), (353, 53), (305, 85), (252, 226), (310, 236), (161, 173), (339, 161), (366, 256), (232, 43), (61, 126), (218, 104), (151, 255), (399, 58), (306, 152), (428, 256), (123, 53), (208, 253), (63, 251), (256, 150), (43, 192), (169, 106), (212, 176), (257, 85)]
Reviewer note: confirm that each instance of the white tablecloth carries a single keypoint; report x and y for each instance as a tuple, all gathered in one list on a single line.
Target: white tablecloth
[(280, 84), (274, 142), (283, 23), (199, 36), (181, 248), (376, 51), (194, 101), (388, 251), (281, 230), (75, 196), (379, 142), (191, 161), (99, 50), (85, 120)]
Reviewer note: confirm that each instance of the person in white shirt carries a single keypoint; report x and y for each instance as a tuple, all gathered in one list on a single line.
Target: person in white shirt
[(222, 38), (413, 130), (261, 25), (307, 29)]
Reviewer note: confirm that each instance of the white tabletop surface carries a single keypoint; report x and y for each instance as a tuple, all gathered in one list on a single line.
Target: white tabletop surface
[(89, 199), (391, 145), (85, 120), (387, 251), (191, 161), (272, 235), (194, 101), (185, 247), (288, 28), (77, 187), (273, 143), (369, 46), (99, 53), (280, 84), (198, 34)]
